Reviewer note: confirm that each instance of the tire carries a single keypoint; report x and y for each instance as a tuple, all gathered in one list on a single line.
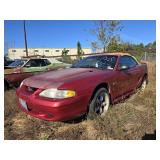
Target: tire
[(6, 86), (143, 85), (99, 104)]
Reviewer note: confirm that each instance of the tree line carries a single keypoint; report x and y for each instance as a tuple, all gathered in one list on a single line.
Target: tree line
[(136, 50), (108, 39)]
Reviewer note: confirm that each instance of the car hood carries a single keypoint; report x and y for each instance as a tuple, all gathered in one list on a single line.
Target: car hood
[(53, 79)]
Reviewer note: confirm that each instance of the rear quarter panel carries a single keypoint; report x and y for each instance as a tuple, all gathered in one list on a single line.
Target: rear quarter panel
[(143, 69)]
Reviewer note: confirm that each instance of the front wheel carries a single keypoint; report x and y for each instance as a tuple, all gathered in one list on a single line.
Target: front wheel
[(99, 104)]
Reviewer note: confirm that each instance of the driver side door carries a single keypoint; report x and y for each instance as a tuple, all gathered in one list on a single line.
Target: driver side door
[(124, 79)]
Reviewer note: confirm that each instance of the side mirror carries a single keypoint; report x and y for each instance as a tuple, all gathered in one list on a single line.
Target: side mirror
[(124, 67)]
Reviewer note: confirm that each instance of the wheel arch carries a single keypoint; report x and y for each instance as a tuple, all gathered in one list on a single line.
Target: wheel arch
[(101, 85), (145, 76)]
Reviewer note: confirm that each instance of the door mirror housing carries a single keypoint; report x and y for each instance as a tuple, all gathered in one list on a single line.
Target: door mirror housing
[(123, 67)]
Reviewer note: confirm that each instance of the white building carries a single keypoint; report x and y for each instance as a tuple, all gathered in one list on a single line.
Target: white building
[(16, 53)]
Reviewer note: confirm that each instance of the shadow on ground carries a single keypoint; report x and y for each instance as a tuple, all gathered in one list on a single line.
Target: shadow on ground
[(149, 136)]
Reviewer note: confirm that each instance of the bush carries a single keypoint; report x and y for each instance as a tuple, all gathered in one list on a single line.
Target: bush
[(67, 59)]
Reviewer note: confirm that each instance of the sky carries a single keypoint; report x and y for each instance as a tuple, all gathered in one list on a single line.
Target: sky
[(66, 33)]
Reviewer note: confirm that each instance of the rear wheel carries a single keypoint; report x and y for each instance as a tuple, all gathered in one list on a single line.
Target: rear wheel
[(143, 85), (99, 104)]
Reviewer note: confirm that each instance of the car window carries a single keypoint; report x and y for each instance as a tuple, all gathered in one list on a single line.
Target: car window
[(107, 62), (41, 62), (127, 61), (36, 63), (47, 62), (99, 62), (17, 63)]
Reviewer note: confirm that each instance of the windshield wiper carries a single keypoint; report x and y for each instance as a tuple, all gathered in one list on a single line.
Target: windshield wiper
[(85, 66)]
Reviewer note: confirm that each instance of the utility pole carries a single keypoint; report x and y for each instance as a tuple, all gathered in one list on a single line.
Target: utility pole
[(25, 38), (145, 56)]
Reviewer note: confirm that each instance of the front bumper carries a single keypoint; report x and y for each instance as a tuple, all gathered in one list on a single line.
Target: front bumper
[(52, 110)]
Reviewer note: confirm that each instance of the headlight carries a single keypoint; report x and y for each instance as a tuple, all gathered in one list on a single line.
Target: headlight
[(57, 94)]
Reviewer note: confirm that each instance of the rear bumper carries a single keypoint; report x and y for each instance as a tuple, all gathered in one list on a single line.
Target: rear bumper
[(53, 110)]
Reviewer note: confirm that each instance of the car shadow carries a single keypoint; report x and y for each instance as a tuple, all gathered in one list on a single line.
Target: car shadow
[(77, 119), (149, 136)]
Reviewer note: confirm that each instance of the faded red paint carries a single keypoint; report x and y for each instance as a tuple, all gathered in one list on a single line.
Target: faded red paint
[(83, 81), (15, 76)]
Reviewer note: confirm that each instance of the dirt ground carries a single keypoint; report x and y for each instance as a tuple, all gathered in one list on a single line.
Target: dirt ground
[(135, 118)]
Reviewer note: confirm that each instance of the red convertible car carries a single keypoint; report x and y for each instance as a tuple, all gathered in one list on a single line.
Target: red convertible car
[(89, 86)]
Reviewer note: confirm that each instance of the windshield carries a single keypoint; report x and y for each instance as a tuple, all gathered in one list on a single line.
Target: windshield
[(17, 63), (99, 62)]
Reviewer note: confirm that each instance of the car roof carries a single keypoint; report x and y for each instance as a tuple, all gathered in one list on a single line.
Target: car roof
[(116, 54), (34, 59), (110, 54)]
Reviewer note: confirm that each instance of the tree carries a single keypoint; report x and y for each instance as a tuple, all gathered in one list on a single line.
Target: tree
[(141, 45), (151, 47), (94, 46), (114, 47), (79, 50), (154, 44), (65, 57), (106, 31), (65, 52)]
